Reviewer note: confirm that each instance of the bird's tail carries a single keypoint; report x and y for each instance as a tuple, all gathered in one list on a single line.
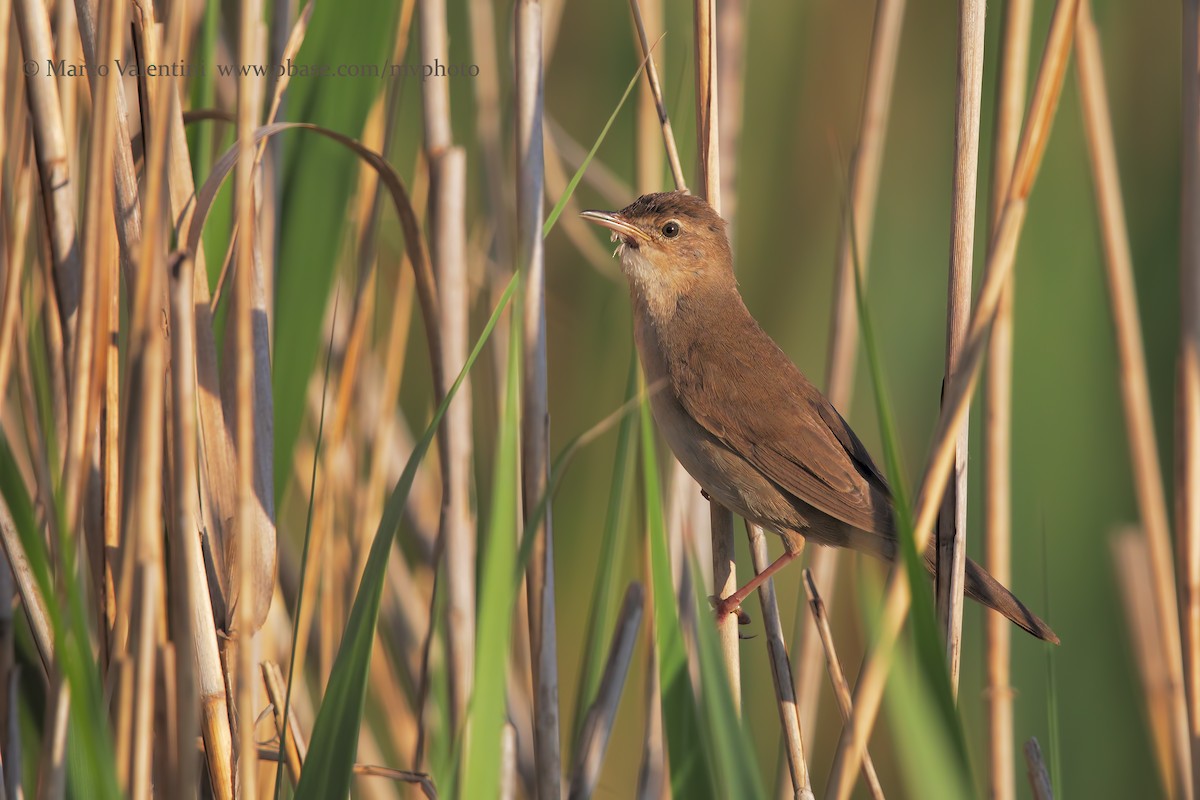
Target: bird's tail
[(983, 588)]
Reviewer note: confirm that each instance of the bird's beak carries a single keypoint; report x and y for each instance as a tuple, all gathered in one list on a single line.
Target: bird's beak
[(616, 223)]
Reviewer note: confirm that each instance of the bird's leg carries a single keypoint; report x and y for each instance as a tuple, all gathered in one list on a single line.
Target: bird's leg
[(731, 604)]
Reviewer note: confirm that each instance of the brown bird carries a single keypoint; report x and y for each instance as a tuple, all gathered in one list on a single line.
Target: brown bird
[(738, 414)]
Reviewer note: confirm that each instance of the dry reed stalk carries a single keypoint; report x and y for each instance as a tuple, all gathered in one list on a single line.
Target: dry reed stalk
[(781, 668), (535, 418), (872, 677), (45, 111), (597, 725), (1135, 396), (854, 246), (841, 688), (649, 154), (144, 434), (1039, 777), (656, 92), (1131, 560), (1187, 403), (60, 273), (952, 524), (245, 575), (997, 409), (124, 176), (448, 240)]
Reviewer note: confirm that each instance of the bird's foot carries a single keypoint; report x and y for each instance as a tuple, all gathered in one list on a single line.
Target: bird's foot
[(725, 607), (706, 495)]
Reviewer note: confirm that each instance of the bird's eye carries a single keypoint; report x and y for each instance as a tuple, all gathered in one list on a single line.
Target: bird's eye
[(671, 229)]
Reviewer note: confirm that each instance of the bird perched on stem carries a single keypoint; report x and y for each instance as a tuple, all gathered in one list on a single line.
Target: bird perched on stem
[(740, 417)]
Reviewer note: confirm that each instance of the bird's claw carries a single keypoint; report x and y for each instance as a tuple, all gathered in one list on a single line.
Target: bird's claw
[(723, 609), (706, 495)]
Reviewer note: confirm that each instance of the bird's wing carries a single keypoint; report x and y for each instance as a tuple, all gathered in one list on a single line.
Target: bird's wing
[(752, 398)]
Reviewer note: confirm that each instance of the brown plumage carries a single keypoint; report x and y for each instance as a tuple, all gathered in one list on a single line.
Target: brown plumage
[(741, 418)]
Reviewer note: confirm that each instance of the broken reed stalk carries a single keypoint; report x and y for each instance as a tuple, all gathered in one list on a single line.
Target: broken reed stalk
[(873, 675), (535, 418), (1135, 396), (997, 409), (1039, 776), (837, 677), (1135, 576), (952, 523), (781, 668), (448, 252), (853, 252), (1187, 403), (248, 108), (597, 725)]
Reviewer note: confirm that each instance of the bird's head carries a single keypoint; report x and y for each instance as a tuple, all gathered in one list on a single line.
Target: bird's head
[(671, 243)]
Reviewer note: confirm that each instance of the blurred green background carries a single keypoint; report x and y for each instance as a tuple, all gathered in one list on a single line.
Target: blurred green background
[(804, 73)]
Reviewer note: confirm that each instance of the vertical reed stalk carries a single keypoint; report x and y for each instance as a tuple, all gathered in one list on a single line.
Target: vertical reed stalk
[(248, 108), (708, 146), (448, 252), (535, 419), (952, 524), (997, 409)]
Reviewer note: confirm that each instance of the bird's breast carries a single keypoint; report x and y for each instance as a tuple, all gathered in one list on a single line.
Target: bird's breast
[(723, 474)]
